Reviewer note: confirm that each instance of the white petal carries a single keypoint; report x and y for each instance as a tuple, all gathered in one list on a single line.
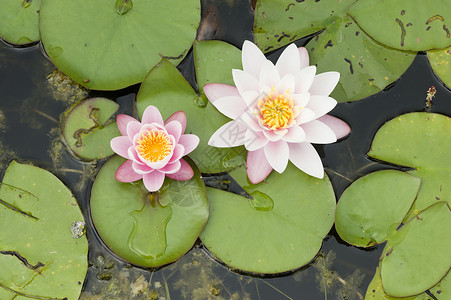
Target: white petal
[(252, 58), (295, 134), (251, 98), (245, 81), (272, 136), (305, 157), (231, 106), (303, 57), (214, 91), (286, 84), (304, 79), (277, 155), (254, 140), (318, 133), (301, 99), (321, 105), (269, 76), (306, 115), (250, 121), (340, 128), (289, 61), (228, 135), (324, 83)]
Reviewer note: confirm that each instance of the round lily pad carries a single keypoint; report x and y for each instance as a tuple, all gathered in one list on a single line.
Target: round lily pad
[(19, 21), (373, 207), (280, 229), (39, 257), (439, 60), (108, 45), (88, 128), (411, 262), (148, 229), (166, 88), (415, 25), (420, 141)]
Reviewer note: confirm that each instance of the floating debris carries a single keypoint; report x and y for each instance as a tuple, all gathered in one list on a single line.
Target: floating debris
[(78, 229)]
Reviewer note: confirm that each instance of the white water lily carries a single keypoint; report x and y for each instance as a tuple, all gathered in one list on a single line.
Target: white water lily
[(278, 111)]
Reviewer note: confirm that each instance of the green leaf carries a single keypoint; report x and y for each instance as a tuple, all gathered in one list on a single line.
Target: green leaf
[(366, 67), (148, 229), (100, 48), (279, 230), (373, 207), (420, 141), (410, 264), (19, 21), (88, 128), (439, 60), (415, 25), (38, 255), (166, 88)]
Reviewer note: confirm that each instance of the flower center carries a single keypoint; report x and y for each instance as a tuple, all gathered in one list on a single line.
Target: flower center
[(276, 111), (154, 145)]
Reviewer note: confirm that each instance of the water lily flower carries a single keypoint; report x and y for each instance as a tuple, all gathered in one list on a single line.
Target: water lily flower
[(278, 111), (153, 148)]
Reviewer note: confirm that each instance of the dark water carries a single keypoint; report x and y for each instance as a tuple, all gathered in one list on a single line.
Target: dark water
[(30, 111)]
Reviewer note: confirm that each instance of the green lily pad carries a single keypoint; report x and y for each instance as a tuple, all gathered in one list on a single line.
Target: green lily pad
[(420, 141), (19, 21), (279, 230), (375, 291), (148, 229), (39, 258), (373, 207), (439, 60), (88, 128), (108, 45), (415, 25), (366, 67), (410, 264), (166, 88)]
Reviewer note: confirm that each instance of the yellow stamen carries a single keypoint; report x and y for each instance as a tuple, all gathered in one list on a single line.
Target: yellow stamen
[(154, 145), (276, 110)]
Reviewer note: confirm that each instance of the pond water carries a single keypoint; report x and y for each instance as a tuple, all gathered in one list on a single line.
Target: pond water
[(30, 118)]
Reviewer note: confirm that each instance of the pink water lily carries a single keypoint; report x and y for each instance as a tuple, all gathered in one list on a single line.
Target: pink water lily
[(153, 148), (278, 111)]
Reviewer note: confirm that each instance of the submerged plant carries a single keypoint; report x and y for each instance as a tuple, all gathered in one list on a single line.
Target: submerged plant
[(279, 111), (153, 148)]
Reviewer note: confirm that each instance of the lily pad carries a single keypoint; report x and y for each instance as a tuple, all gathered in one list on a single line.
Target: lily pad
[(88, 128), (439, 60), (366, 67), (19, 21), (166, 88), (373, 207), (280, 229), (108, 45), (420, 141), (415, 25), (39, 258), (148, 229), (410, 264)]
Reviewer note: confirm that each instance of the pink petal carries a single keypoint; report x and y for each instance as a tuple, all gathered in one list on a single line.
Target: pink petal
[(305, 157), (120, 145), (306, 115), (178, 116), (153, 181), (318, 133), (152, 115), (339, 127), (272, 136), (303, 57), (324, 83), (286, 84), (277, 155), (178, 153), (289, 61), (269, 76), (125, 172), (301, 99), (171, 168), (122, 121), (254, 140), (244, 81), (189, 142), (133, 155), (252, 58), (133, 127), (321, 105), (141, 168), (185, 172), (158, 164), (257, 166), (295, 134), (214, 91), (231, 106), (228, 135), (174, 128), (304, 79)]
